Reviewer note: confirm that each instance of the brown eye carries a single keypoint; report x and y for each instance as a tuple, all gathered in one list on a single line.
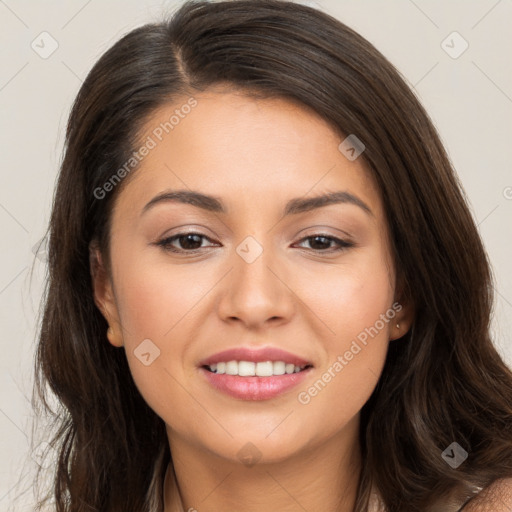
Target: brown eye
[(322, 243), (188, 242)]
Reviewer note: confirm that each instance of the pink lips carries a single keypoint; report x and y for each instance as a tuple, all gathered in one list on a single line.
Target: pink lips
[(254, 388)]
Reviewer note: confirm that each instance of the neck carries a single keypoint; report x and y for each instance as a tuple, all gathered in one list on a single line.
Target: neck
[(324, 477)]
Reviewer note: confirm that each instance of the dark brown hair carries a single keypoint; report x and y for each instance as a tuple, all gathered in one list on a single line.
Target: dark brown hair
[(442, 382)]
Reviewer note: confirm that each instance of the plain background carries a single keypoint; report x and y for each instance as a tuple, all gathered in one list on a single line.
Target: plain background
[(468, 97)]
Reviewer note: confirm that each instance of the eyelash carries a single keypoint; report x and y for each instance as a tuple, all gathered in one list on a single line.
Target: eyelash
[(166, 243)]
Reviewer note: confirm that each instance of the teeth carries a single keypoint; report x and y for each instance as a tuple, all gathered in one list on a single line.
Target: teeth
[(231, 368), (251, 369), (279, 368), (264, 369), (246, 368)]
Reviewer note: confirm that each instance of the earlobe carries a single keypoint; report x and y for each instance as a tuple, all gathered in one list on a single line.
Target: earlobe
[(104, 294), (402, 321), (404, 308), (397, 331), (114, 337)]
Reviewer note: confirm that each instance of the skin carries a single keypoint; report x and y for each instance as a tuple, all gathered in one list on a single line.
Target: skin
[(308, 299)]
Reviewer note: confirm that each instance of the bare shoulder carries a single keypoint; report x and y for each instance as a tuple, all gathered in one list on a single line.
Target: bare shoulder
[(495, 498)]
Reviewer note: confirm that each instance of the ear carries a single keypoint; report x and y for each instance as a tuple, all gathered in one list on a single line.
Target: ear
[(104, 297), (405, 311)]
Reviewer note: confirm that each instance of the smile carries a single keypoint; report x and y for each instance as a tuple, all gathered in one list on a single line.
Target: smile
[(246, 373)]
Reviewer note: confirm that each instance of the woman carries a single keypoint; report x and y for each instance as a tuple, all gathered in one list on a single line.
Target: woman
[(266, 289)]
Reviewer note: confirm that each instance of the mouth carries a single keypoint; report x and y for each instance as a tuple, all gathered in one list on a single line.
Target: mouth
[(246, 373)]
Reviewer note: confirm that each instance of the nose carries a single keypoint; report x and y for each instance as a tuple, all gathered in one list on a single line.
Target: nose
[(257, 293)]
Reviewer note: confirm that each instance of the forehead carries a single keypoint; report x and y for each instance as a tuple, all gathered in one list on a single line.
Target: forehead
[(232, 144)]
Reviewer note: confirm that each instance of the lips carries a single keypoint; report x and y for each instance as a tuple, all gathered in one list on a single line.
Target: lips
[(237, 378)]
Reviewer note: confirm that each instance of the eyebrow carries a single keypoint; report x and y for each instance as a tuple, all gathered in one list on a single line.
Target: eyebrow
[(293, 207)]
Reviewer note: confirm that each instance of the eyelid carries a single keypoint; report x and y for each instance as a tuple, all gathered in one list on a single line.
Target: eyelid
[(321, 230)]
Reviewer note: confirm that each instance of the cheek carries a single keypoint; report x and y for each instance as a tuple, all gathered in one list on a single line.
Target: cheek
[(155, 300), (349, 297), (159, 308), (354, 306)]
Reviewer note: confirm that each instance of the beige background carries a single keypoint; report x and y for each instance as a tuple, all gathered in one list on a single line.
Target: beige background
[(468, 97)]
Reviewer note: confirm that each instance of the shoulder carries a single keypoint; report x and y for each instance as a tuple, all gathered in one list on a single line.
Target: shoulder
[(497, 497)]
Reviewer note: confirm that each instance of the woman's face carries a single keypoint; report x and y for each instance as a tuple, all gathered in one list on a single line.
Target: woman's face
[(267, 268)]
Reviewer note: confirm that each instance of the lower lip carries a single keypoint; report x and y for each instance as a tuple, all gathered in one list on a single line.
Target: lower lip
[(254, 388)]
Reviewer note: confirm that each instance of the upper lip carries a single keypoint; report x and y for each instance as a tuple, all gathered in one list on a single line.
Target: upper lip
[(254, 355)]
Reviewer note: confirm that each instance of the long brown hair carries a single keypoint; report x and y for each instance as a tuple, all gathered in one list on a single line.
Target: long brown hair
[(443, 382)]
